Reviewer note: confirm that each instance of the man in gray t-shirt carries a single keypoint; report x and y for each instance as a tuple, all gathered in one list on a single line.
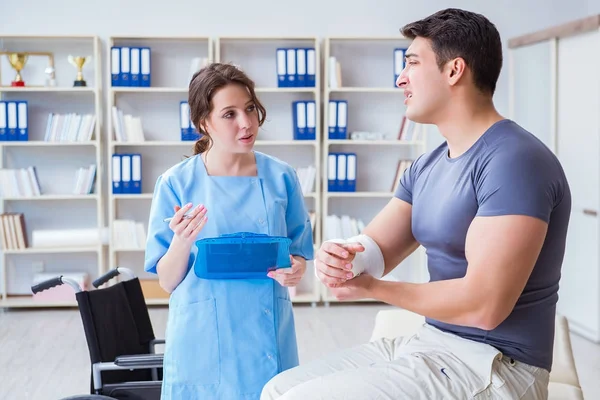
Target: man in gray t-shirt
[(491, 206), (507, 172)]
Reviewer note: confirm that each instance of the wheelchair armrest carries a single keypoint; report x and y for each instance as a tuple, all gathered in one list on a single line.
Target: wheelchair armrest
[(134, 361), (140, 360), (155, 342)]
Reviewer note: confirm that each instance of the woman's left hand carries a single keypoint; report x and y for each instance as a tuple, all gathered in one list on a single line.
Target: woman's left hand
[(290, 276)]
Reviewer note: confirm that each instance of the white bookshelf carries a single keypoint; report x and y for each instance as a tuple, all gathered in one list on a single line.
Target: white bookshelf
[(366, 81), (158, 107), (56, 163), (256, 56), (374, 104)]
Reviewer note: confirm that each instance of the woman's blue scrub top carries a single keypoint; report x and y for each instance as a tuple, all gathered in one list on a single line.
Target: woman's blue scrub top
[(226, 338)]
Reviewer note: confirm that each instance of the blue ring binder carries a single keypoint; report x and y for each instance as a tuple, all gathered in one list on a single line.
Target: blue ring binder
[(241, 255)]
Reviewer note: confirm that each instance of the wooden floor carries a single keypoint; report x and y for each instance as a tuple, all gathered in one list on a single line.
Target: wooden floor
[(43, 355)]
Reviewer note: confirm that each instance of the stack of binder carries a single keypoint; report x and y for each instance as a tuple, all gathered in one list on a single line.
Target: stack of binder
[(130, 66), (19, 182), (335, 73), (341, 172), (85, 179), (305, 119), (127, 128), (188, 130), (13, 233), (128, 234), (403, 165), (127, 173), (307, 176), (342, 226), (71, 127), (14, 120), (338, 119), (296, 67)]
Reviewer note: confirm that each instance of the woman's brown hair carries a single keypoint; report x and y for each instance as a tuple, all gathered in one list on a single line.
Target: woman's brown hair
[(202, 87)]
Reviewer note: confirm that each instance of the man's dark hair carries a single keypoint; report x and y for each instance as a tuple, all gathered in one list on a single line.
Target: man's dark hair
[(458, 33)]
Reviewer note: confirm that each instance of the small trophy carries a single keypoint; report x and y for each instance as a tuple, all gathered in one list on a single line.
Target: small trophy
[(50, 76), (18, 61), (79, 62)]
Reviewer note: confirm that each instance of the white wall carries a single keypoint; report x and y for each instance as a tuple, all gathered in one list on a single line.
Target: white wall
[(272, 17), (593, 7)]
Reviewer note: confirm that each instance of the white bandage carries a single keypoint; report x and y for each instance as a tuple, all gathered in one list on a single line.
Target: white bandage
[(370, 260)]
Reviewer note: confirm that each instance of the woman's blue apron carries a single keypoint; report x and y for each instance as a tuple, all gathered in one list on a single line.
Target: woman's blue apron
[(226, 338)]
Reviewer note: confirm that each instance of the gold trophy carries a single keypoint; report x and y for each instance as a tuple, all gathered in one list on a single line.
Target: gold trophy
[(17, 61), (79, 62)]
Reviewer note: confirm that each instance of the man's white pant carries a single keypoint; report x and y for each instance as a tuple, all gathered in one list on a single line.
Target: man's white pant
[(429, 365)]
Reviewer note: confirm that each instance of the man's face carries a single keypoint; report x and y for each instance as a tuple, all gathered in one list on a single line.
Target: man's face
[(425, 87)]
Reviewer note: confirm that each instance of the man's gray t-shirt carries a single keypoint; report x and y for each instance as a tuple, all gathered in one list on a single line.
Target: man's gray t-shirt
[(507, 171)]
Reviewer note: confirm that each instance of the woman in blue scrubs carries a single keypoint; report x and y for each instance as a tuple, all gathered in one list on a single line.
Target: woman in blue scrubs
[(226, 338)]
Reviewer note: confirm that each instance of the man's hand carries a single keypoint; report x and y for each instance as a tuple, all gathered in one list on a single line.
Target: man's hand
[(354, 289), (334, 262), (290, 276)]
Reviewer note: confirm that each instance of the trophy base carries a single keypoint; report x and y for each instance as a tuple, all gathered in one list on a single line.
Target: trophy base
[(17, 84), (79, 83)]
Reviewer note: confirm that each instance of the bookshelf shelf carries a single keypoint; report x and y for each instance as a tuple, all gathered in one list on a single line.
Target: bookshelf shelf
[(367, 149), (395, 90), (129, 249), (85, 90), (157, 302), (47, 166), (360, 194), (183, 143), (55, 197), (141, 196), (180, 143), (149, 90), (56, 250), (286, 143), (391, 142), (28, 302), (285, 90), (42, 143)]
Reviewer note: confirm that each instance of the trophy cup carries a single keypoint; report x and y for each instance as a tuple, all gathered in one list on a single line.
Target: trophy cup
[(17, 61), (79, 62), (50, 76)]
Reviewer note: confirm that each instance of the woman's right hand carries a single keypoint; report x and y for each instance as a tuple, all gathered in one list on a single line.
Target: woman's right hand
[(187, 229), (174, 264)]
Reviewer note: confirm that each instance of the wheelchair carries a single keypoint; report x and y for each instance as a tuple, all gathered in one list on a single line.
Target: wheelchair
[(120, 338)]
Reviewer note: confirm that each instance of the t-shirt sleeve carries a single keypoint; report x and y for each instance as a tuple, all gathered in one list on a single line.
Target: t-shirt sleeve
[(405, 186), (517, 183), (159, 234)]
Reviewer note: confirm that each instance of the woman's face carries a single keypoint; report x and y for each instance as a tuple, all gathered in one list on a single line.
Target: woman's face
[(233, 122)]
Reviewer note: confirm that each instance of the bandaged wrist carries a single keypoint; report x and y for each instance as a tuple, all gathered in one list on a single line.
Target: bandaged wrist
[(370, 260)]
